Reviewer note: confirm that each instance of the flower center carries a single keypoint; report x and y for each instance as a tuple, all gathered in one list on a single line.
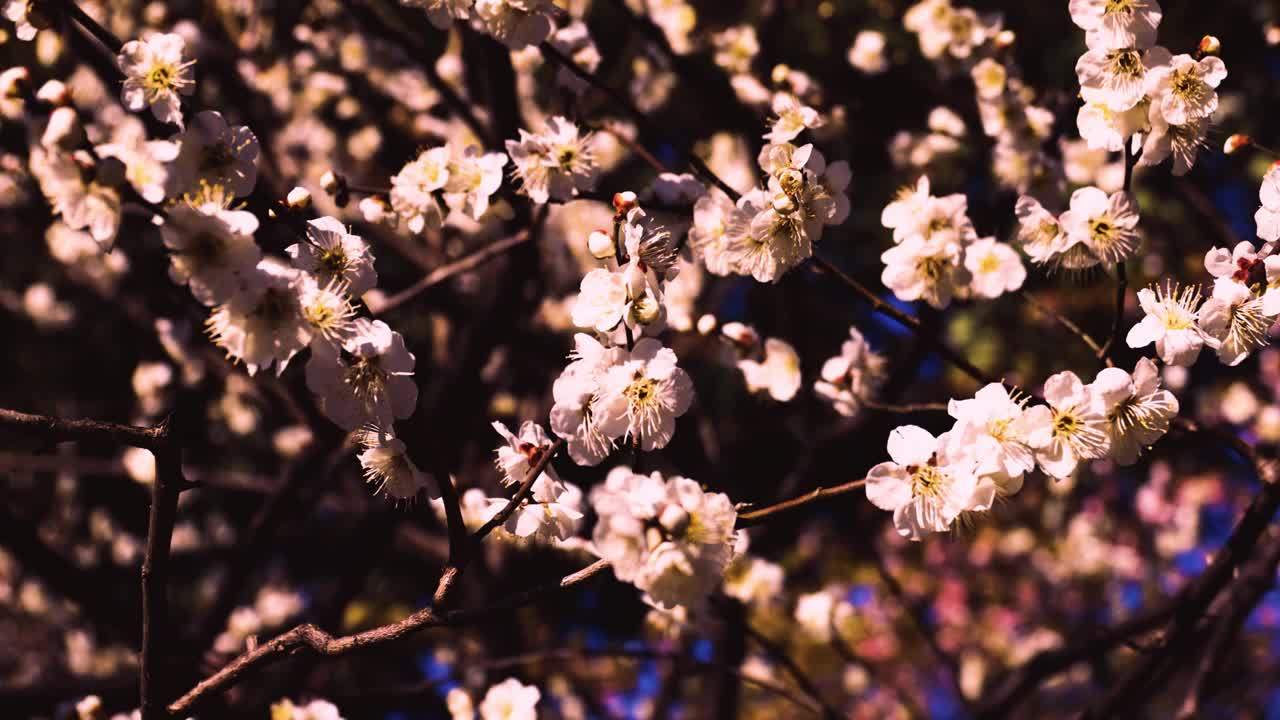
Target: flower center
[(1185, 84), (217, 157), (927, 479), (1127, 63), (1114, 7), (1065, 424)]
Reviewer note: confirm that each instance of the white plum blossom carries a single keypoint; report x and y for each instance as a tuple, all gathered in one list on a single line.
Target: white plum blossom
[(1117, 77), (1172, 323), (146, 162), (516, 23), (917, 213), (851, 376), (263, 322), (216, 154), (1185, 89), (1106, 225), (333, 253), (669, 537), (929, 270), (575, 414), (1271, 296), (1105, 128), (387, 466), (474, 176), (415, 187), (1267, 217), (367, 380), (557, 163), (996, 422), (778, 374), (792, 118), (552, 512), (642, 395), (1235, 264), (995, 268), (19, 13), (1233, 317), (442, 13), (1069, 429), (1113, 24), (602, 300), (1039, 231), (867, 52), (1136, 408), (74, 189), (521, 451), (927, 483), (211, 249), (155, 72)]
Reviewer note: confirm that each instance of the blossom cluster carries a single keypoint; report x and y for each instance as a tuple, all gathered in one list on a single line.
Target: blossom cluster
[(998, 438), (938, 255)]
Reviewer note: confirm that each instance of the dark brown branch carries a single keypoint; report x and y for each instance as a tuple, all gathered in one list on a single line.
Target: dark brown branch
[(312, 638), (1194, 600), (1247, 592), (755, 517), (1065, 322), (446, 272), (793, 669), (910, 322), (155, 581), (1122, 279), (55, 430)]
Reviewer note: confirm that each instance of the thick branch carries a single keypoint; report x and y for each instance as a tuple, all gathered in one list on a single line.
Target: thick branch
[(155, 580)]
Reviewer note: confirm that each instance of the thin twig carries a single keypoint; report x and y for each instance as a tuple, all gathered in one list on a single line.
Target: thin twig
[(1065, 322), (793, 669), (755, 517), (310, 637), (905, 408), (908, 321), (1122, 278), (446, 272)]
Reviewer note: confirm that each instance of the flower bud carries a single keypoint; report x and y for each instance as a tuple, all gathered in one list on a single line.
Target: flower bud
[(674, 519), (623, 202), (374, 209), (54, 92), (1272, 34), (783, 204), (14, 82), (1209, 45), (707, 324), (600, 245), (330, 182), (63, 129), (298, 198), (779, 73), (1006, 38), (741, 335), (1235, 142)]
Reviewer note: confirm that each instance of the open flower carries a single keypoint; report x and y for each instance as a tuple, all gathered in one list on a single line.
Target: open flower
[(522, 451), (1185, 89), (1233, 317), (414, 189), (1071, 428), (1137, 410), (331, 253), (994, 268), (1171, 323), (642, 395), (1106, 225), (1113, 24), (368, 380), (557, 163), (995, 419), (387, 466), (211, 249), (850, 376), (262, 323), (929, 270), (214, 153), (1117, 77), (575, 415), (778, 374), (154, 74), (927, 484)]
